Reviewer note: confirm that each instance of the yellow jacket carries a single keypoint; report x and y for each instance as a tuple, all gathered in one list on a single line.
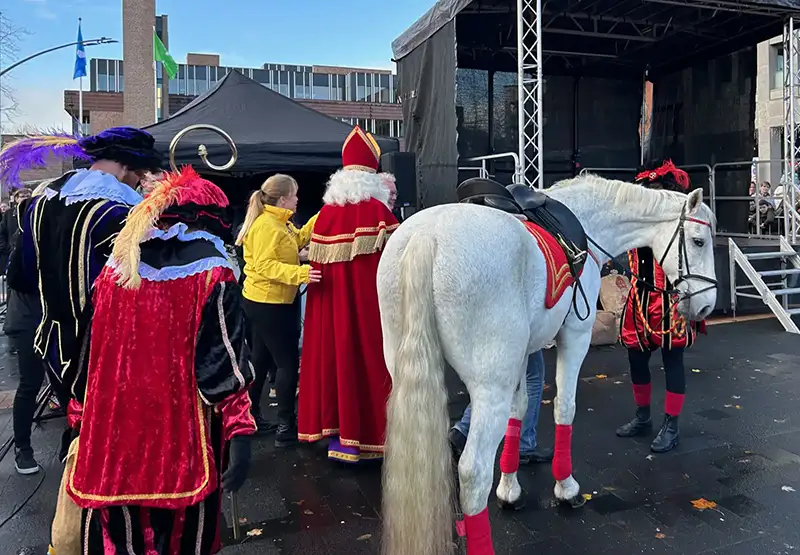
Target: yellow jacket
[(271, 254)]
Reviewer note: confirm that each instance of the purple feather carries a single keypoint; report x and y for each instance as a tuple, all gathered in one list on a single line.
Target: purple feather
[(33, 152)]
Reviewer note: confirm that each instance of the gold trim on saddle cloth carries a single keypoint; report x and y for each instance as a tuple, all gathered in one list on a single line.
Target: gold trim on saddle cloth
[(367, 456), (345, 247), (201, 421), (560, 274)]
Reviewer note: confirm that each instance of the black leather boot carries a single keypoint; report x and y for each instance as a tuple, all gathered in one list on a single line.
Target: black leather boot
[(641, 424), (668, 437)]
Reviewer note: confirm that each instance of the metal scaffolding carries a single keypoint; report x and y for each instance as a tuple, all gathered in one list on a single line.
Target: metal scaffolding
[(529, 92), (791, 115)]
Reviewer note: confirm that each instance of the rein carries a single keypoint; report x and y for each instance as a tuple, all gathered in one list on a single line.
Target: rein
[(680, 235)]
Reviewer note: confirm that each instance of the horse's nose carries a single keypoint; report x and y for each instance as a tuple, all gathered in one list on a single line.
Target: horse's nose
[(705, 311)]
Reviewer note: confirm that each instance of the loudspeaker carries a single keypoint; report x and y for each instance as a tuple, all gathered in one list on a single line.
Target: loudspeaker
[(403, 165)]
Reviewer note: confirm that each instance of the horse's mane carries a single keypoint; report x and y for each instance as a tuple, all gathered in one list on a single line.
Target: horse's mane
[(655, 204)]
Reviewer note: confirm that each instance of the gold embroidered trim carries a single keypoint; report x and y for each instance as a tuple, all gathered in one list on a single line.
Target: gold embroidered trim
[(353, 458), (345, 247), (329, 432), (359, 167), (151, 496)]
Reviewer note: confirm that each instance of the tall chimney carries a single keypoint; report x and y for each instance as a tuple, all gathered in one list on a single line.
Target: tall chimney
[(139, 104)]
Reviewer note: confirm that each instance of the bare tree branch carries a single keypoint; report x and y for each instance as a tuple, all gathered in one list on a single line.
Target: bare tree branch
[(10, 37)]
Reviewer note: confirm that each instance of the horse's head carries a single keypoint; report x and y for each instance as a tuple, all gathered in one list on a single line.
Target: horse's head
[(685, 249)]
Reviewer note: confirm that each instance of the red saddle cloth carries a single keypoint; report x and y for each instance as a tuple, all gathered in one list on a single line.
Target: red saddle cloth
[(559, 277)]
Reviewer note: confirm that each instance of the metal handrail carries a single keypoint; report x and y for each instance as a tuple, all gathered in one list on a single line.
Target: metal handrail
[(485, 172)]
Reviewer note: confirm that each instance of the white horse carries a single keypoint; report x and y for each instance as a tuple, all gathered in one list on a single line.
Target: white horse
[(466, 284)]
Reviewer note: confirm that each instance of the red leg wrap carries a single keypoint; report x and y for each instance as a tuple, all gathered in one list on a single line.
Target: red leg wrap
[(673, 404), (642, 394), (509, 460), (562, 458), (479, 533)]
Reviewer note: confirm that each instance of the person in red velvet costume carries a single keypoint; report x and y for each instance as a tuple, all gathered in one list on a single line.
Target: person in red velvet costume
[(651, 322), (344, 383), (161, 399)]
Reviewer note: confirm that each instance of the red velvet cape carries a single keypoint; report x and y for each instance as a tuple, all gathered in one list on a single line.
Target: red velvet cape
[(136, 444), (344, 383)]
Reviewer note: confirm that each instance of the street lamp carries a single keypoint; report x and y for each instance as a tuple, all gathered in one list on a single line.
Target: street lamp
[(92, 42)]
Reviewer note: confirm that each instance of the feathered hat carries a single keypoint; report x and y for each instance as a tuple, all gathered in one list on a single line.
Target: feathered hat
[(663, 175), (129, 146), (181, 197), (361, 152)]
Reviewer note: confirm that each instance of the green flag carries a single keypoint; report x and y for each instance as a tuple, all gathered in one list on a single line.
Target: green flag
[(160, 54)]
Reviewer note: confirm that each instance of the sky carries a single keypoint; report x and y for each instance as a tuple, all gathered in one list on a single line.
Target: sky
[(245, 33)]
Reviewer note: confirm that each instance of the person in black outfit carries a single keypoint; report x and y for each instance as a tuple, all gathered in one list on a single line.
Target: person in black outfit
[(23, 314), (8, 227)]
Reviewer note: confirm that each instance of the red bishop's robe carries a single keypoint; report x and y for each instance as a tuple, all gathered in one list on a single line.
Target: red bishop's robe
[(656, 307), (344, 383)]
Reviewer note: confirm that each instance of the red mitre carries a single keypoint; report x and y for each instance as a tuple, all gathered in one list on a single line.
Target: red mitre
[(360, 152)]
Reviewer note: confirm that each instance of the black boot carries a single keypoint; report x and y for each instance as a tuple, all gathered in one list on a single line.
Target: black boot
[(641, 424), (668, 437), (286, 435)]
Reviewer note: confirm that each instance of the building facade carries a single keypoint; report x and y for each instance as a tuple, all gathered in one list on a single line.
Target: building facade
[(769, 110), (130, 92)]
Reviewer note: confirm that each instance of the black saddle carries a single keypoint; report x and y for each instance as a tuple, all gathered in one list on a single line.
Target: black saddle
[(538, 208)]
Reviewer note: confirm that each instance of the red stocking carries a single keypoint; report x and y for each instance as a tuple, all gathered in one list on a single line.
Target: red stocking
[(509, 460), (479, 534), (562, 458)]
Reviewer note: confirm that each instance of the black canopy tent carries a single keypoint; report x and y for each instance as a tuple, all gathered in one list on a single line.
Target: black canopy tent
[(273, 133)]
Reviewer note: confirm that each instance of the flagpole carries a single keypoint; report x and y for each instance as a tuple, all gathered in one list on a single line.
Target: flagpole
[(80, 92), (155, 78)]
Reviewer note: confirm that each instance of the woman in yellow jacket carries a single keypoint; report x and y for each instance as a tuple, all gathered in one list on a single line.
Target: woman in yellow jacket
[(272, 275)]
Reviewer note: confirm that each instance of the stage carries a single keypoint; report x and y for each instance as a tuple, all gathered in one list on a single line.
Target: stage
[(740, 449)]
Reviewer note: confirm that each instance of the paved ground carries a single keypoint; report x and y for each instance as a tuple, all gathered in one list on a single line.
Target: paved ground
[(741, 450)]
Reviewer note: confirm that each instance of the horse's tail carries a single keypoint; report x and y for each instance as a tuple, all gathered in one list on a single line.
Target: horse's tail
[(417, 470)]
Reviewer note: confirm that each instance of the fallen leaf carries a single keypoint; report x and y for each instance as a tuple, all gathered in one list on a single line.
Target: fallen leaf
[(789, 489), (660, 536), (703, 504), (364, 537), (649, 457), (696, 370), (587, 496), (727, 406), (308, 512), (738, 407), (618, 383), (601, 376), (254, 532), (757, 370), (273, 404), (243, 520), (782, 421), (735, 396), (546, 401)]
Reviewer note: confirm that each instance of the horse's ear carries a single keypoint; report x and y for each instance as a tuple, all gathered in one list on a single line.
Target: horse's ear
[(694, 202)]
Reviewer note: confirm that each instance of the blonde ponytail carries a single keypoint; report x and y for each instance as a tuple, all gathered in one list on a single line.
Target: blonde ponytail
[(270, 192)]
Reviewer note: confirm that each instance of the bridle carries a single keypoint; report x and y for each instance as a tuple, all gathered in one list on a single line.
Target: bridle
[(684, 271), (683, 255)]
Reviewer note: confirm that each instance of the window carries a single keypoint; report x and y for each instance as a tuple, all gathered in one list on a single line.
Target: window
[(283, 82), (102, 75), (361, 88), (181, 79), (300, 88), (120, 77), (384, 89), (322, 89), (777, 73), (383, 127), (201, 79), (339, 87)]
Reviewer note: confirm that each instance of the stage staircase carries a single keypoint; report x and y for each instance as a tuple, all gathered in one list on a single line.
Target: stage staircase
[(772, 286)]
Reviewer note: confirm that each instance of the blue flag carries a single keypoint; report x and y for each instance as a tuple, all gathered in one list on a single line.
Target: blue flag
[(80, 57)]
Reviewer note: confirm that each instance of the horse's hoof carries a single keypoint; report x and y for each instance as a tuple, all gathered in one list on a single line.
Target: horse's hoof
[(575, 502), (517, 505)]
